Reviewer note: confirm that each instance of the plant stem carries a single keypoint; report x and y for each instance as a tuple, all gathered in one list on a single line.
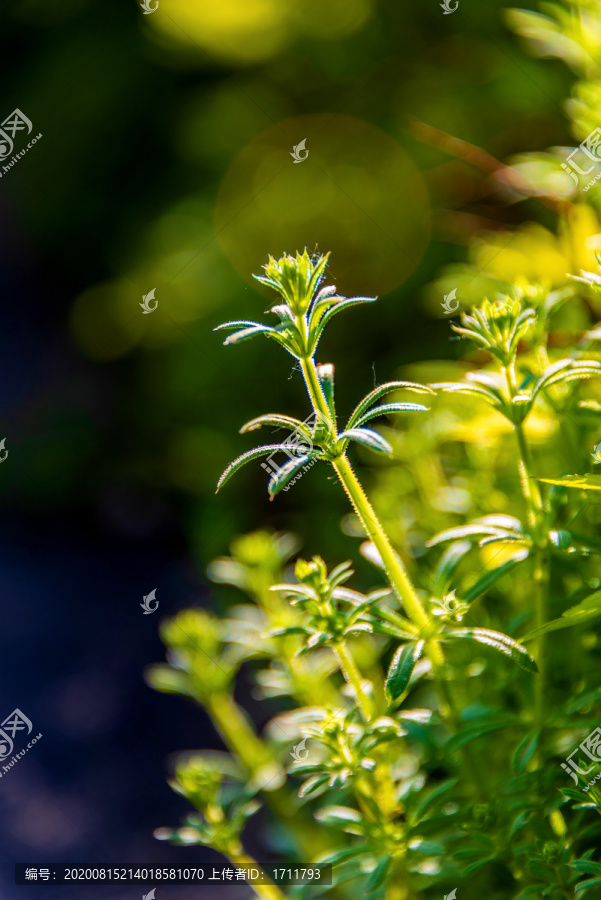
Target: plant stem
[(398, 577), (263, 769), (392, 563), (353, 677), (267, 891), (395, 570), (536, 521)]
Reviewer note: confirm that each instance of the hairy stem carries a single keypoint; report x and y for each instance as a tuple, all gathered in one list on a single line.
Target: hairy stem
[(353, 677), (536, 520), (395, 570)]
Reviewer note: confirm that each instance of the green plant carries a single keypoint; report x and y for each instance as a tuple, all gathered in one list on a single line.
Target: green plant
[(408, 800)]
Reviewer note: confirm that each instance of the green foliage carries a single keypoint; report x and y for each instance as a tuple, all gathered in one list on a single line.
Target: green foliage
[(442, 714), (465, 787)]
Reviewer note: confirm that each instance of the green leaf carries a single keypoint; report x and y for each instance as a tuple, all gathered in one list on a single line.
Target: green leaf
[(447, 564), (285, 632), (380, 391), (589, 883), (583, 482), (490, 525), (474, 390), (339, 856), (525, 751), (240, 461), (484, 725), (168, 680), (276, 419), (333, 311), (416, 815), (498, 641), (489, 578), (378, 876), (548, 38), (586, 611), (387, 408), (587, 866), (237, 323), (331, 814), (312, 785), (246, 333), (401, 667), (566, 370), (281, 478), (368, 438)]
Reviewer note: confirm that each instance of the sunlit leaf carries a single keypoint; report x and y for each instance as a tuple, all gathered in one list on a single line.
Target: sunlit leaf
[(401, 667), (245, 458), (381, 391), (368, 438), (388, 408), (498, 641), (583, 482)]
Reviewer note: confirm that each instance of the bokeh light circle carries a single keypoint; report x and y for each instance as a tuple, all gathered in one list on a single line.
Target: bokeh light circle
[(357, 194), (247, 31)]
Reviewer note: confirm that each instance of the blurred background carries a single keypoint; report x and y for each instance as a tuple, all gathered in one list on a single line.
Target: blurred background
[(165, 164)]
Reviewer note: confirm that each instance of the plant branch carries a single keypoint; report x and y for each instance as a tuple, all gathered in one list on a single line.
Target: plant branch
[(352, 675)]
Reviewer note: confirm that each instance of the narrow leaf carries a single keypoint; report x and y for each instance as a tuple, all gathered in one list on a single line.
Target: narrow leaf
[(489, 578), (477, 529), (583, 482), (449, 387), (368, 438), (430, 800), (500, 642), (276, 419), (245, 334), (447, 564), (587, 866), (246, 457), (589, 883), (401, 667), (381, 391), (344, 304), (585, 611), (482, 727), (525, 751), (388, 408), (281, 478), (378, 876), (238, 323)]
